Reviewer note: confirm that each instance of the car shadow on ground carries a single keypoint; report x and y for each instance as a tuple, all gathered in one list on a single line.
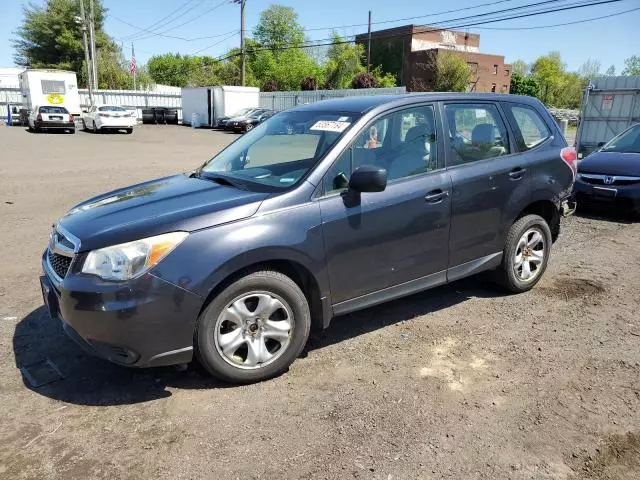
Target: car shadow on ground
[(92, 381), (607, 213)]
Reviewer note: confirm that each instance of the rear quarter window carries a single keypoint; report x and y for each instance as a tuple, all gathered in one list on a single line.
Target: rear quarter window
[(531, 128)]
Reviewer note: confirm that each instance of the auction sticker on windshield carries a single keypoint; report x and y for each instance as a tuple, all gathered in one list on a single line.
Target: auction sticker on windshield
[(330, 126)]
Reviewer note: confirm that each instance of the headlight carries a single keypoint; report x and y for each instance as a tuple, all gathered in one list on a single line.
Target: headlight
[(128, 260)]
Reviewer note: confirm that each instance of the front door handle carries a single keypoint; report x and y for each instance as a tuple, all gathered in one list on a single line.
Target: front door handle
[(436, 196), (517, 173)]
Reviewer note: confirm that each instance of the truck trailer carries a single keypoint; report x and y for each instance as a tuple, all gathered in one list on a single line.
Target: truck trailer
[(50, 87), (204, 105)]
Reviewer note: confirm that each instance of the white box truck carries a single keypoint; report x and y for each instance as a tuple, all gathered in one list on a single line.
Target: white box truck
[(50, 87), (204, 105)]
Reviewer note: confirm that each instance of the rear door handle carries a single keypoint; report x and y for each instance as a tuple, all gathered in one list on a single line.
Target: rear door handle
[(517, 173), (436, 196)]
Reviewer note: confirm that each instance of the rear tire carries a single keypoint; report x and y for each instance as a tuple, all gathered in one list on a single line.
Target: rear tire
[(129, 131), (253, 329), (526, 254)]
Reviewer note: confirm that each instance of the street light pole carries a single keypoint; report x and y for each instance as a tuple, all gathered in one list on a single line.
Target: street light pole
[(92, 37), (243, 53), (83, 24)]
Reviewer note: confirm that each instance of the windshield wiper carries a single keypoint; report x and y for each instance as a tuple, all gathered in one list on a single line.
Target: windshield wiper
[(221, 179)]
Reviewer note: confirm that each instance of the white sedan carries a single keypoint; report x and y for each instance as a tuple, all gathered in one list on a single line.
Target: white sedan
[(109, 117)]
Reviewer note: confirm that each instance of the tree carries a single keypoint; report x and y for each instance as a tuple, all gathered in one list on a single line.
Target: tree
[(520, 67), (344, 61), (524, 85), (364, 80), (590, 69), (452, 73), (632, 66), (184, 70), (270, 86), (611, 71), (49, 37), (383, 80), (278, 27), (548, 71)]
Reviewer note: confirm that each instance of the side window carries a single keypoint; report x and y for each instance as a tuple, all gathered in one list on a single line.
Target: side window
[(402, 142), (532, 128), (476, 132)]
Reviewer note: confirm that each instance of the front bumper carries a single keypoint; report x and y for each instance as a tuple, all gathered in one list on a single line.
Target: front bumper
[(623, 196), (143, 322)]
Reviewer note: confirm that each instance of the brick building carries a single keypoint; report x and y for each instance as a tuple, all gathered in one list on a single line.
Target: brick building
[(411, 52)]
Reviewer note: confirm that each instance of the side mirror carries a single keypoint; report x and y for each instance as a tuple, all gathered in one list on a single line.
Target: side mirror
[(84, 110), (601, 144), (368, 178)]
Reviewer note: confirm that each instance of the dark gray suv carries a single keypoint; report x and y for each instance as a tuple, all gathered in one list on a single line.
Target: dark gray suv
[(321, 210)]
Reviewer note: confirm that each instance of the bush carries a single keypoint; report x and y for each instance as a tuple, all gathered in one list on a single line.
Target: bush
[(364, 80), (270, 86), (309, 83)]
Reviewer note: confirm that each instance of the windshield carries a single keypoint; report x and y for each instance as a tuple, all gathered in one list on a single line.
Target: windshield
[(111, 109), (627, 142), (243, 111), (53, 110), (280, 151)]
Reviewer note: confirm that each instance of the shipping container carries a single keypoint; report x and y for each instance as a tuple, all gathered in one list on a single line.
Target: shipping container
[(206, 104), (610, 105)]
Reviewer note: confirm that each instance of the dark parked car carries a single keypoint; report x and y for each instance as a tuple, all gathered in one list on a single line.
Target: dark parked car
[(611, 175), (222, 121), (250, 121), (377, 198)]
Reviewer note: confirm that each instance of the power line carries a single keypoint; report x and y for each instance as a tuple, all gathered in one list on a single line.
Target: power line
[(168, 36), (216, 43), (159, 23), (602, 17), (193, 19)]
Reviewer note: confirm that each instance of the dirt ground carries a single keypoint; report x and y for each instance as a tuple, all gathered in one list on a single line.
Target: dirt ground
[(458, 382)]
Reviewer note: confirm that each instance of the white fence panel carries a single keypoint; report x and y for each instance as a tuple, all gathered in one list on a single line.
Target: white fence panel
[(285, 100)]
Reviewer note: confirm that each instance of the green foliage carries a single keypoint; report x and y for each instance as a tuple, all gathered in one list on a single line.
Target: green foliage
[(184, 70), (453, 73), (270, 86), (611, 71), (278, 27), (548, 71), (344, 61), (632, 66), (383, 80), (309, 83), (523, 85), (590, 69), (49, 37)]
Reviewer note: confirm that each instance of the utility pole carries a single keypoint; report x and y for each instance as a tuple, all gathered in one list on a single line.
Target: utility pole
[(82, 20), (369, 44), (92, 37), (242, 49)]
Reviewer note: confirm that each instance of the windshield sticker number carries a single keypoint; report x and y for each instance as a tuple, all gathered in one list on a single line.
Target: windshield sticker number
[(330, 126)]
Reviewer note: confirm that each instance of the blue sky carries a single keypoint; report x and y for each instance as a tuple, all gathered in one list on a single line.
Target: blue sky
[(609, 40)]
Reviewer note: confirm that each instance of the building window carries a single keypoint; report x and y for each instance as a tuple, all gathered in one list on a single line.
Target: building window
[(495, 69), (53, 86), (506, 72), (505, 88), (493, 87)]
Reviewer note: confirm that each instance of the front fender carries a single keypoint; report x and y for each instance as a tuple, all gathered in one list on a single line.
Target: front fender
[(209, 256)]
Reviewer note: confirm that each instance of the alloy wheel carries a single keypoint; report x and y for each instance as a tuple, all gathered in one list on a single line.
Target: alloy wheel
[(530, 255)]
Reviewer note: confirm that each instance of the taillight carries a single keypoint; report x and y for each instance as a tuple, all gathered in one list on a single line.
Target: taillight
[(570, 157), (39, 117), (71, 118)]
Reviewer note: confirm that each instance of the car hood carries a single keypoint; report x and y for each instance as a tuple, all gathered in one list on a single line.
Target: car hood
[(611, 163), (167, 204)]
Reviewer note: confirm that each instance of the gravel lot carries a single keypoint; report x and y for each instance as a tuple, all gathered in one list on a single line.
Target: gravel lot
[(458, 382)]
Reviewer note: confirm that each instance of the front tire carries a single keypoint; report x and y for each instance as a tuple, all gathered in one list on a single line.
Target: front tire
[(526, 254), (254, 329), (94, 129)]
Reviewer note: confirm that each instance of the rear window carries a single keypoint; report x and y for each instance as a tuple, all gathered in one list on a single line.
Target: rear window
[(111, 109), (532, 128), (53, 86), (53, 110)]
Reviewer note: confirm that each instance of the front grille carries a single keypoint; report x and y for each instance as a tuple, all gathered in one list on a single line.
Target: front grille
[(615, 181), (59, 263)]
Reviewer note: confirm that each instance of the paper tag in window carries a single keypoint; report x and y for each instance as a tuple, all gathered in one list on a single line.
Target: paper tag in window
[(330, 126)]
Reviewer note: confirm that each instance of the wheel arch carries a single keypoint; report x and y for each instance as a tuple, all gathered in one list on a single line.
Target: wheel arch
[(546, 209), (319, 305)]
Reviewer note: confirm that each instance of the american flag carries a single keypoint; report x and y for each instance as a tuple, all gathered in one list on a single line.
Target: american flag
[(133, 67)]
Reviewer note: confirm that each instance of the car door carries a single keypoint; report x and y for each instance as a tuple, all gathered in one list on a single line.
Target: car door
[(487, 174), (398, 235)]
